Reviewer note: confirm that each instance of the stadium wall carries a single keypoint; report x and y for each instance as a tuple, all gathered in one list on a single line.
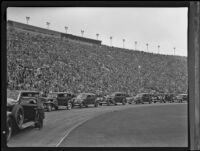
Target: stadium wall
[(70, 37)]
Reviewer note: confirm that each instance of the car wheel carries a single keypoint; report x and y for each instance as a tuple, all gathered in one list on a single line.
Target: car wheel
[(18, 114), (9, 129), (69, 106), (49, 108)]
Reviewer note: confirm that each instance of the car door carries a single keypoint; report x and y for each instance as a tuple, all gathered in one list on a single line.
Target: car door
[(117, 97), (89, 99), (93, 99), (61, 99)]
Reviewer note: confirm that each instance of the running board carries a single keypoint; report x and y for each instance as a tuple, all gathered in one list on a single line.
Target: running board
[(28, 124)]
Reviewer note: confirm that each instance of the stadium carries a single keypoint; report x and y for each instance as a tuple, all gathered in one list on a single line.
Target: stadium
[(46, 60)]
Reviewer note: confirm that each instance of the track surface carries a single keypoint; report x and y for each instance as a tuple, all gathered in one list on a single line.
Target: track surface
[(162, 125)]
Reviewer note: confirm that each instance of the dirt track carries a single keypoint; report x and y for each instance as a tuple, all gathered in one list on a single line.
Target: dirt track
[(65, 128)]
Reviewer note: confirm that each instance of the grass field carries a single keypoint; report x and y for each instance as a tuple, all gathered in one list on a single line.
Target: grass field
[(145, 126)]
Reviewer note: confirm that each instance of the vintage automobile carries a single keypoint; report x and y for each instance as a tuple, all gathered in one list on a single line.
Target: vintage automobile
[(56, 100), (158, 98), (169, 97), (117, 97), (142, 98), (181, 98), (24, 109), (130, 99), (101, 99), (85, 99)]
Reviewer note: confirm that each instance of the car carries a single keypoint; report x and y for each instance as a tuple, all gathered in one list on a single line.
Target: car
[(117, 97), (158, 98), (130, 99), (85, 99), (169, 97), (142, 98), (181, 98), (101, 99), (56, 100), (24, 109)]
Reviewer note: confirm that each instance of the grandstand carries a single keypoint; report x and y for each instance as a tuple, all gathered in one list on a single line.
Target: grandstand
[(46, 60)]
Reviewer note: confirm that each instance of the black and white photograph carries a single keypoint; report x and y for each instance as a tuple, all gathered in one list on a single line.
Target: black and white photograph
[(97, 77)]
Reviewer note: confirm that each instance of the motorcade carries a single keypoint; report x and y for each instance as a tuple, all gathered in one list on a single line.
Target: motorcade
[(24, 109), (85, 99), (57, 100)]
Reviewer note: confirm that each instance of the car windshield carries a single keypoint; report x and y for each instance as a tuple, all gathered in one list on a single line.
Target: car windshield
[(139, 95), (52, 95), (114, 94), (30, 94), (82, 96), (12, 94)]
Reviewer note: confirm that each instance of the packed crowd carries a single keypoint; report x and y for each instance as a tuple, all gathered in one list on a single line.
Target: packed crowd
[(47, 63)]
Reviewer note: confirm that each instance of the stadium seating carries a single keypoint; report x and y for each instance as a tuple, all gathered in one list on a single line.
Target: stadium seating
[(46, 63)]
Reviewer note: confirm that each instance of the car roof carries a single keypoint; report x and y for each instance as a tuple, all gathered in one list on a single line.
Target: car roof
[(22, 91), (88, 93), (118, 93), (143, 93), (60, 92), (29, 91), (183, 94)]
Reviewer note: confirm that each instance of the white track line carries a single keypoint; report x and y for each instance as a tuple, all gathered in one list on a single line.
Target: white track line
[(67, 133)]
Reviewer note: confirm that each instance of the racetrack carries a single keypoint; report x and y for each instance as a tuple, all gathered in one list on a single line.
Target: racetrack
[(160, 125)]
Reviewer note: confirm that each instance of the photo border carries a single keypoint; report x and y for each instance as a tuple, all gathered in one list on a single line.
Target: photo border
[(193, 73)]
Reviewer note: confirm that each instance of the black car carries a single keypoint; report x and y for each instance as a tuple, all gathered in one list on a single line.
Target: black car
[(56, 100), (169, 97), (85, 99), (142, 98), (117, 97), (24, 108)]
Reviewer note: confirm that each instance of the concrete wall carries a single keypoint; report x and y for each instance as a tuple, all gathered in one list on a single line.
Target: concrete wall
[(13, 24), (38, 30)]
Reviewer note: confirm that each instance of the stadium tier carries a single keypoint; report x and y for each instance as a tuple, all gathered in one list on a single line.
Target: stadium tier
[(46, 60)]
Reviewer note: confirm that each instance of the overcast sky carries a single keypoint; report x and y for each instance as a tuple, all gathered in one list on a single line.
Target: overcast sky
[(166, 27)]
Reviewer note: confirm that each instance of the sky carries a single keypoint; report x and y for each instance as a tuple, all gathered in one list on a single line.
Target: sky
[(166, 27)]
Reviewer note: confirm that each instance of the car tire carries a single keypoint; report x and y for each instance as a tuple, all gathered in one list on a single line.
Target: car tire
[(18, 114), (49, 107), (69, 106), (9, 129)]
